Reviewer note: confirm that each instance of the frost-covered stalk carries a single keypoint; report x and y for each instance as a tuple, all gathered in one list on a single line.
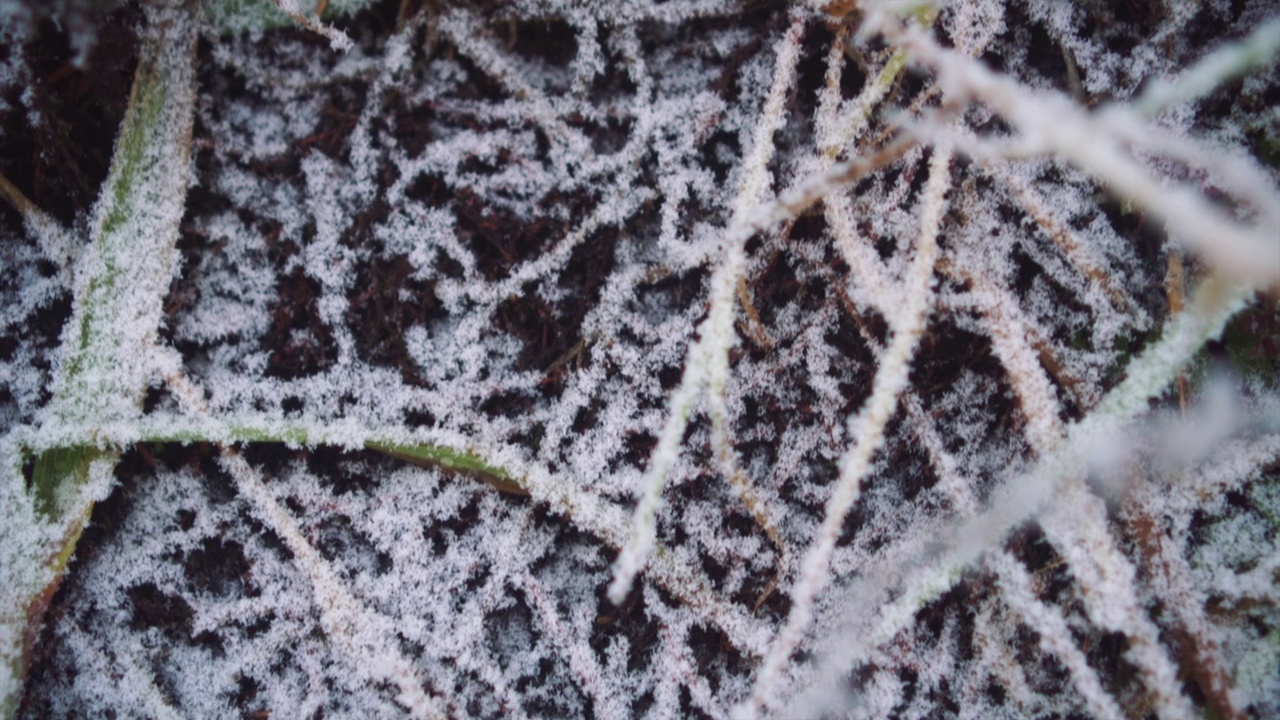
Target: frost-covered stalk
[(365, 638), (1054, 632), (1096, 143), (866, 429), (1226, 63), (121, 281), (338, 40), (1213, 305), (1172, 578), (1077, 525), (56, 243), (836, 133), (708, 360), (1077, 522), (1074, 248), (358, 630)]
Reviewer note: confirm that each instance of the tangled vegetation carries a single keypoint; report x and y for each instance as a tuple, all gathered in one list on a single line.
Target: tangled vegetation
[(567, 358)]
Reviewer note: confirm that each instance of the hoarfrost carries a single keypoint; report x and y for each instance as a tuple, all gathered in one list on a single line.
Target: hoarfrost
[(526, 230)]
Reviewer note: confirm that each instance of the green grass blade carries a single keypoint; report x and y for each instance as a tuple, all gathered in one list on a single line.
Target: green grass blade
[(454, 461), (124, 278)]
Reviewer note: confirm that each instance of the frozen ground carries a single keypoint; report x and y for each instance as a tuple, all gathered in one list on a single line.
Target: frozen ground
[(845, 301)]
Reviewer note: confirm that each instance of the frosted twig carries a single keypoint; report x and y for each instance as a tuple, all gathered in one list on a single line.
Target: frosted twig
[(55, 242), (1213, 303), (1173, 584), (338, 39), (1049, 123), (1063, 236), (835, 133), (682, 668), (818, 186), (1077, 522), (351, 624), (848, 126), (728, 279), (1234, 173), (1004, 323), (135, 685), (1028, 494), (1240, 462), (577, 654), (1220, 66), (635, 551), (607, 521), (708, 359), (347, 621), (466, 32), (956, 488), (1055, 634), (866, 429), (994, 637)]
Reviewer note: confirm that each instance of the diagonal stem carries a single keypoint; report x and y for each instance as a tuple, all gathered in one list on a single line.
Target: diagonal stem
[(123, 279)]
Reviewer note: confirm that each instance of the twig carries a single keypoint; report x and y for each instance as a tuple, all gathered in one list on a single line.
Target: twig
[(708, 360), (1028, 494), (866, 430), (349, 622), (1201, 654), (1175, 287), (1222, 65), (55, 241), (118, 299), (1054, 632), (1049, 123), (338, 39)]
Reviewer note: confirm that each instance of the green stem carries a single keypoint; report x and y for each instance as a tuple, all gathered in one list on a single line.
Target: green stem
[(117, 309)]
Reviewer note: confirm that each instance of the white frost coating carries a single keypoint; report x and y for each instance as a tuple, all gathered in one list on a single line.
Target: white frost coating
[(1076, 523), (497, 233), (870, 286), (1029, 494), (124, 273), (708, 359), (1050, 124), (465, 30), (338, 39), (21, 539), (1257, 50), (1055, 634), (1107, 585), (866, 429), (365, 638), (119, 287)]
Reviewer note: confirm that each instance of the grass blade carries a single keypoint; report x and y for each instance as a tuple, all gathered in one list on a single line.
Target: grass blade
[(123, 279)]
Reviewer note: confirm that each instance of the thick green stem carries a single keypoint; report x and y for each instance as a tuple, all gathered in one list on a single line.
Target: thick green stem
[(124, 277)]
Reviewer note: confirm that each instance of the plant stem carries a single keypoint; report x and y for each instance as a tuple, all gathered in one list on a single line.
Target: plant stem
[(124, 277)]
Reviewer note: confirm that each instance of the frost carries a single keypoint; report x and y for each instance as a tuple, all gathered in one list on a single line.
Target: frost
[(653, 359)]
